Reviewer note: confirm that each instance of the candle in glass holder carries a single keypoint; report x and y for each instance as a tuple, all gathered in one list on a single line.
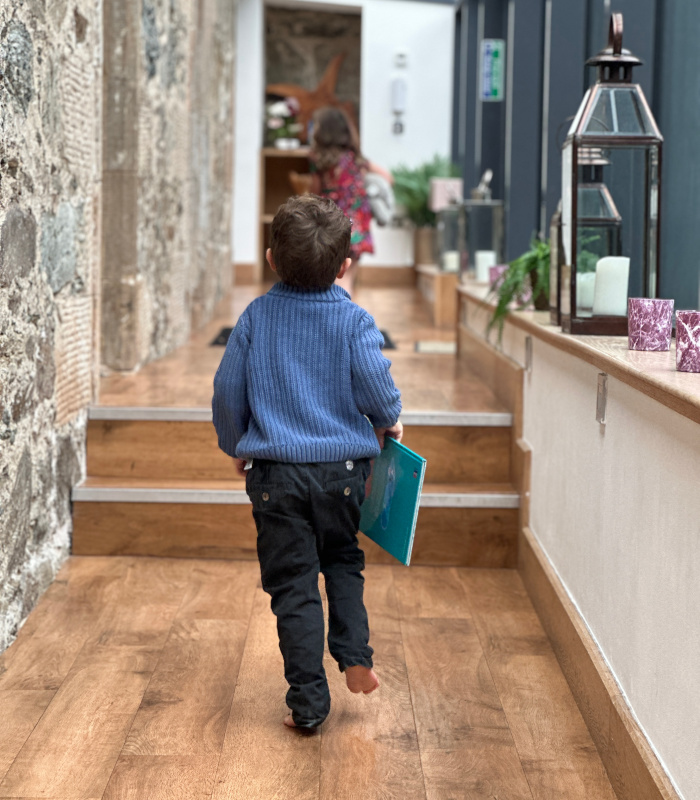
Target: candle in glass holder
[(450, 261), (650, 323), (585, 290), (484, 260), (612, 275), (688, 341)]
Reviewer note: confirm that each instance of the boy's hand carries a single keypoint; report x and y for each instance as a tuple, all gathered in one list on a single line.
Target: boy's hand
[(394, 432), (239, 464)]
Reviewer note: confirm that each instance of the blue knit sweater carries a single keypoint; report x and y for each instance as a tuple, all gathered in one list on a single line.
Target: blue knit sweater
[(301, 375)]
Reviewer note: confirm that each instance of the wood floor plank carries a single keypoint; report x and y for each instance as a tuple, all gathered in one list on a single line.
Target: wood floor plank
[(487, 768), (465, 742), (57, 629), (150, 595), (369, 747), (21, 710), (261, 758), (558, 754), (71, 752), (220, 590), (472, 702), (433, 592), (186, 707), (494, 590), (503, 614), (162, 778)]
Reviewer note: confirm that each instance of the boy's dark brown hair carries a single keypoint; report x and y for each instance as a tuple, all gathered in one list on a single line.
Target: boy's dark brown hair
[(310, 240)]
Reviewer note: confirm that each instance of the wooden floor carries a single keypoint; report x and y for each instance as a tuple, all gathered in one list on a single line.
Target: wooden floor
[(142, 679), (427, 382)]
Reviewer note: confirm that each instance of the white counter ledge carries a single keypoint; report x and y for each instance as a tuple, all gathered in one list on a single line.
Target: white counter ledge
[(653, 373)]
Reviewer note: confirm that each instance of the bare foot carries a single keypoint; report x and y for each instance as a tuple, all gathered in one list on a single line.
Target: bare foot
[(361, 679), (289, 722)]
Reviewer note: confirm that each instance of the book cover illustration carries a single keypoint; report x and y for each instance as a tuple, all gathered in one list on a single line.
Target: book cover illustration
[(392, 497)]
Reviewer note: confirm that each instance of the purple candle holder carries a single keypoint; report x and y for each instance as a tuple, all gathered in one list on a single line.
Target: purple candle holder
[(649, 323), (688, 341)]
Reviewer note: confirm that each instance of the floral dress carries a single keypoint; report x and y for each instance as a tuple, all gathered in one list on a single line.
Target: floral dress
[(345, 185)]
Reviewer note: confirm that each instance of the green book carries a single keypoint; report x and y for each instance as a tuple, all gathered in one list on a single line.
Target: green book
[(392, 497)]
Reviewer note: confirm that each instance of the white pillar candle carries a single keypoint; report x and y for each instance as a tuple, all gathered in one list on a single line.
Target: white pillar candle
[(585, 287), (450, 261), (484, 260), (612, 276)]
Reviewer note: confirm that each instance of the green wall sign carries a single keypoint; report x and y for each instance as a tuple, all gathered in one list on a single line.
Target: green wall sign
[(493, 64)]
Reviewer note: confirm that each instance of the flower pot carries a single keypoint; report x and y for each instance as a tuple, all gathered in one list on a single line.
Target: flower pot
[(287, 144), (424, 245)]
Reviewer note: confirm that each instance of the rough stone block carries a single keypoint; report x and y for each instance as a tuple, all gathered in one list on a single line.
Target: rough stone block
[(16, 65), (45, 379), (17, 245), (59, 251), (17, 528)]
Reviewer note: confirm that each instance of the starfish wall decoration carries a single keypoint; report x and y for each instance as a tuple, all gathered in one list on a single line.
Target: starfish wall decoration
[(311, 100)]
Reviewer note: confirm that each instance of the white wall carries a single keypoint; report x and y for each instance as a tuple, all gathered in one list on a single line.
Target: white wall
[(425, 31), (247, 139), (616, 508)]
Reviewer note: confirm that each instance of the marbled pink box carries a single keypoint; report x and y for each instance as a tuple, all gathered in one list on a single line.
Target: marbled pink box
[(650, 322), (688, 341), (496, 275)]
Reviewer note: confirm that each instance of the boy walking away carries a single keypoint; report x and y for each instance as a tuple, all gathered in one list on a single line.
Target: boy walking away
[(301, 376)]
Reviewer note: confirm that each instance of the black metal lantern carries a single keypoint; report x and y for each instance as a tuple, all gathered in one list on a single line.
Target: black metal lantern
[(611, 175)]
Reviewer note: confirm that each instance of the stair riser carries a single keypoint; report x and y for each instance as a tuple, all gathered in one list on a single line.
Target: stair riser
[(189, 451), (468, 537)]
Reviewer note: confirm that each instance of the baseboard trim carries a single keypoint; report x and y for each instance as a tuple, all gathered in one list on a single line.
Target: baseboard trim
[(634, 770), (376, 277)]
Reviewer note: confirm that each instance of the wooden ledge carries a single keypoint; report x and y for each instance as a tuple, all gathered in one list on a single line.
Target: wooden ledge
[(652, 374)]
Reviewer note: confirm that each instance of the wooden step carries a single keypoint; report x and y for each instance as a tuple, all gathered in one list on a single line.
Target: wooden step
[(157, 443), (458, 524)]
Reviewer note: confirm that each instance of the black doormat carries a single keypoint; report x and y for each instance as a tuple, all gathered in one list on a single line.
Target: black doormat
[(388, 342), (222, 339)]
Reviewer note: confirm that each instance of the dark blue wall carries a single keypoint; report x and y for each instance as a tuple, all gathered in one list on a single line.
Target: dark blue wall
[(663, 33)]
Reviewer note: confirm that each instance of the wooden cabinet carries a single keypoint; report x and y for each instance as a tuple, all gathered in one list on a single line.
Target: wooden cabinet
[(275, 188), (439, 290)]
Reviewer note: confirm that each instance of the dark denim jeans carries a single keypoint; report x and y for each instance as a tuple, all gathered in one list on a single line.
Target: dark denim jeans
[(307, 516)]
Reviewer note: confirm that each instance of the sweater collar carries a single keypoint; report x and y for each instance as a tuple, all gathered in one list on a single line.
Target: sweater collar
[(330, 294)]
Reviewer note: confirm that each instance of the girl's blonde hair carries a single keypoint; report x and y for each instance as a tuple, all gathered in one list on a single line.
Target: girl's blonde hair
[(334, 134)]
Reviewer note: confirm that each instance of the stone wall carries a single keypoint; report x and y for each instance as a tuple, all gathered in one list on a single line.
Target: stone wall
[(299, 45), (115, 186), (168, 171), (50, 96)]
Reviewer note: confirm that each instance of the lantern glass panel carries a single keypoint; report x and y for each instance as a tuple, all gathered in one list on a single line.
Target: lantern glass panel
[(617, 111), (619, 229), (451, 238), (484, 231)]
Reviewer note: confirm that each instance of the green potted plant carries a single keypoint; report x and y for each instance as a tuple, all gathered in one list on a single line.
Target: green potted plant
[(525, 281), (412, 193)]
